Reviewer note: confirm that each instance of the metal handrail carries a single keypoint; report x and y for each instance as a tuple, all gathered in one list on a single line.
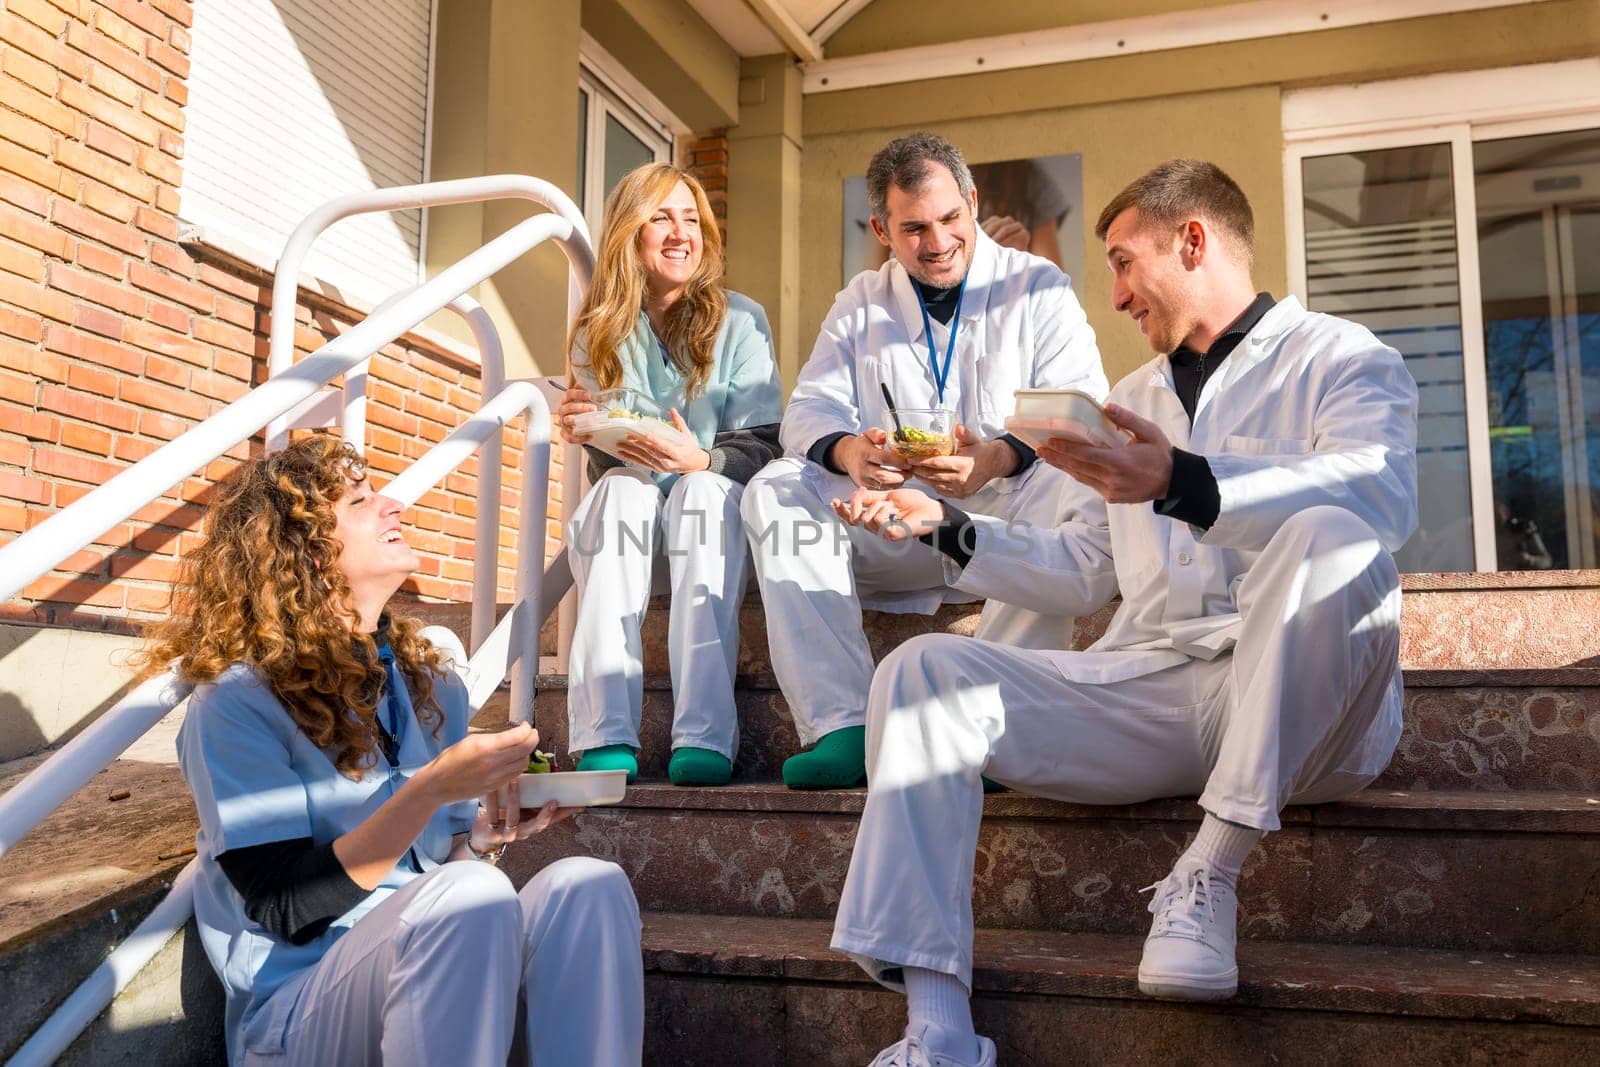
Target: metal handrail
[(286, 280), (39, 550)]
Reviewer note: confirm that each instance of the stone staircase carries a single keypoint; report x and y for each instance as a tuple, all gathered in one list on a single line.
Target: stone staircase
[(1448, 914)]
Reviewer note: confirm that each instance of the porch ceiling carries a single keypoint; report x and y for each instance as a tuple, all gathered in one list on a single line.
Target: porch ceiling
[(754, 27)]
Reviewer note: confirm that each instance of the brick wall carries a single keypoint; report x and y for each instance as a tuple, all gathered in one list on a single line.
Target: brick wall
[(114, 338), (706, 157)]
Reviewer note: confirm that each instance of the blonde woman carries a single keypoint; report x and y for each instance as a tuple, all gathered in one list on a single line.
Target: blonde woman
[(339, 896), (658, 321)]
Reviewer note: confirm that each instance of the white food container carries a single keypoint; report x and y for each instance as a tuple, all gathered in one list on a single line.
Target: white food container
[(1069, 413), (620, 413), (573, 789)]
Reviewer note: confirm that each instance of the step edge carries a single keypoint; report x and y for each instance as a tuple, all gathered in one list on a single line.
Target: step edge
[(1282, 989)]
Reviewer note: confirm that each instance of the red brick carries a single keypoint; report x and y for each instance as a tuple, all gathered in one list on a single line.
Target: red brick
[(107, 52), (13, 452), (164, 226), (149, 568), (165, 370), (36, 298), (20, 130), (91, 380), (172, 258), (165, 427), (231, 283), (94, 349), (161, 398), (220, 333), (74, 468), (25, 195), (29, 424), (163, 111), (142, 15), (241, 367), (20, 487), (170, 143), (86, 438), (86, 408), (36, 105), (160, 166), (94, 289), (177, 92), (180, 11), (97, 227), (112, 142), (37, 169), (154, 339), (215, 386), (173, 288), (80, 592), (93, 257), (237, 312), (28, 360), (149, 599), (34, 233), (102, 108), (168, 57), (121, 31), (92, 164), (132, 449), (17, 389), (114, 85), (109, 202), (98, 320), (171, 316), (48, 18), (23, 262), (167, 199)]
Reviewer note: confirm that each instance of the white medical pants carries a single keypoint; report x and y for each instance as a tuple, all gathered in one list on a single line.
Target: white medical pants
[(814, 572), (1285, 718), (434, 974), (614, 539)]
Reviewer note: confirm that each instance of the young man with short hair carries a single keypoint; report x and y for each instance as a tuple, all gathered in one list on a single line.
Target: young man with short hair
[(1254, 659)]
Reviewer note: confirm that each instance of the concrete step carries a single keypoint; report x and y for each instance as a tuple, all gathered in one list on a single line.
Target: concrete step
[(1449, 622), (1513, 872), (773, 990), (1488, 729)]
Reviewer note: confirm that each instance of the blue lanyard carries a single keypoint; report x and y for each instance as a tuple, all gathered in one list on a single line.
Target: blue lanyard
[(940, 377)]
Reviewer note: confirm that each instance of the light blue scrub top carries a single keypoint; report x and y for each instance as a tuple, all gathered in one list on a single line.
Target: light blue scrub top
[(257, 778), (741, 391)]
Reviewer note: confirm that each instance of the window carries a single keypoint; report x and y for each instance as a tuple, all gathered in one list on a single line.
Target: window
[(1471, 243), (621, 125), (295, 102)]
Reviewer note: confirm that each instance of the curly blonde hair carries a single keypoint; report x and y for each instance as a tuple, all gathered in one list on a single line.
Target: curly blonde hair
[(265, 589)]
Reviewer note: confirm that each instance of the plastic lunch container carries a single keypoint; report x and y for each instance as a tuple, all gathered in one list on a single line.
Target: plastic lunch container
[(573, 789), (1070, 413), (620, 413), (920, 433)]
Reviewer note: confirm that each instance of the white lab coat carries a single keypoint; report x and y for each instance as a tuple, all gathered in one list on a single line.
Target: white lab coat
[(1255, 663), (1019, 326), (1308, 410)]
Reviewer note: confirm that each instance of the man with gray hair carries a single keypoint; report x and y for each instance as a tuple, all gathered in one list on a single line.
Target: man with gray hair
[(953, 322)]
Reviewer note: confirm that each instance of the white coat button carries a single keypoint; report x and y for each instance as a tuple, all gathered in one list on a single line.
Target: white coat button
[(1184, 559)]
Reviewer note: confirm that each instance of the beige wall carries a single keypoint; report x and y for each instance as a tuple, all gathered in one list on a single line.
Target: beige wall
[(1125, 114), (1177, 126), (886, 24), (53, 681), (505, 101)]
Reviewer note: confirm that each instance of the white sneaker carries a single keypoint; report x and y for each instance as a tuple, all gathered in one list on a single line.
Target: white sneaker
[(909, 1051), (1191, 951)]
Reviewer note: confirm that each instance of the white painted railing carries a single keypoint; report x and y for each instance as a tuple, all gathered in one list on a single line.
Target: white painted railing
[(293, 393)]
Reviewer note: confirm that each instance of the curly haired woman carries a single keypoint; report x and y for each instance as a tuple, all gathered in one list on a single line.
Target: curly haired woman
[(326, 745), (658, 322)]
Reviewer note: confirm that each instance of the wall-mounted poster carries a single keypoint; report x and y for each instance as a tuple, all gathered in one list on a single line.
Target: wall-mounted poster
[(1032, 204)]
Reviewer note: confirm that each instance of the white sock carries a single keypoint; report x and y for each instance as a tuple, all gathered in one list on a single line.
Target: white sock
[(1222, 846), (939, 1004)]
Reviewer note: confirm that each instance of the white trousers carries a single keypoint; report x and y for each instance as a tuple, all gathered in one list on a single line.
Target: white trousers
[(434, 975), (619, 530), (814, 572), (1293, 715)]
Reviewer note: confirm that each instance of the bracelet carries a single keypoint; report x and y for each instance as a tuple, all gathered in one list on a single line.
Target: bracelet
[(492, 857)]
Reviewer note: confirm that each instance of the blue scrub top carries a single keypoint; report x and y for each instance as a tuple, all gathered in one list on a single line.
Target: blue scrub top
[(741, 392), (257, 778)]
